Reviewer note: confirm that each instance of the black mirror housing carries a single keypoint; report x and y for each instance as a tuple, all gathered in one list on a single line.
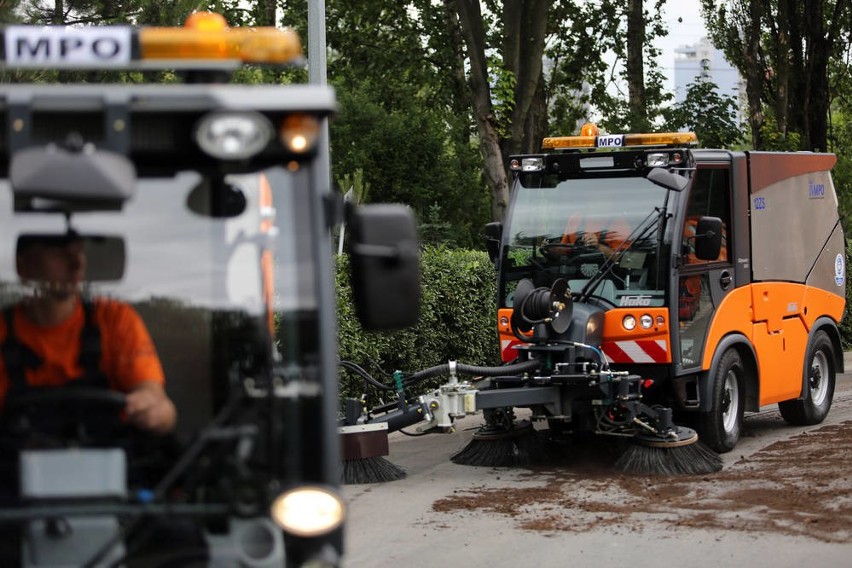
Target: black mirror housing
[(493, 236), (708, 238), (385, 259)]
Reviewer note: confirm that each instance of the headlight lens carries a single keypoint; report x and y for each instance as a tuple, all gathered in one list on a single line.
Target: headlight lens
[(233, 136), (308, 511), (646, 321), (629, 323)]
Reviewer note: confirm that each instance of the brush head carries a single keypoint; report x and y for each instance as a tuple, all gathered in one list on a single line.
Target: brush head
[(685, 456), (370, 470), (501, 447)]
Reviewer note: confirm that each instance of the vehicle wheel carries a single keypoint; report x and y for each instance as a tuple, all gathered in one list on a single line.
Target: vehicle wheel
[(720, 428), (819, 377)]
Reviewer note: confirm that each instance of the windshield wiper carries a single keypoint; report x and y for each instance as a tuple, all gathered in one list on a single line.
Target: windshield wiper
[(642, 231)]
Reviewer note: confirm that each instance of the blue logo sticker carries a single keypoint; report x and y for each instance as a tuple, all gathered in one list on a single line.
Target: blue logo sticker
[(816, 190), (760, 203), (839, 270)]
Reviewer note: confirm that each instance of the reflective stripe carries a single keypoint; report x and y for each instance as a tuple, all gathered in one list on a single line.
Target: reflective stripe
[(653, 351)]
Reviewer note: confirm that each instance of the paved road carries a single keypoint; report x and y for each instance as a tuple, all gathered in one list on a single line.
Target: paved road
[(397, 524)]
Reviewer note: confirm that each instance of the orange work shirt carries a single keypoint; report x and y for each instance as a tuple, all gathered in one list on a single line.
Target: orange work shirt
[(128, 356), (611, 232)]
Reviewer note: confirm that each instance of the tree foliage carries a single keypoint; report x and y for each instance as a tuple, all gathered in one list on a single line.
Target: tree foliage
[(783, 49)]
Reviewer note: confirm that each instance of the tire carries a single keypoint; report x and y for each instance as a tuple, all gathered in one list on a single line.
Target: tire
[(819, 376), (720, 427)]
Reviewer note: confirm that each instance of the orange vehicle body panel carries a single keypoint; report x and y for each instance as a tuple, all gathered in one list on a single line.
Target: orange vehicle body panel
[(637, 345), (776, 318)]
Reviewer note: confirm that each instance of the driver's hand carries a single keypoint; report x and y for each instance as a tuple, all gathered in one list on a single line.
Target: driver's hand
[(590, 239), (149, 408)]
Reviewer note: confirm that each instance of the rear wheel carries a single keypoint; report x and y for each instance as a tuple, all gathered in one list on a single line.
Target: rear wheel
[(819, 380), (720, 427)]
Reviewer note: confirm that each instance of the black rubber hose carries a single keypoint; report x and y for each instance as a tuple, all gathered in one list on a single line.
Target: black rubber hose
[(463, 369), (358, 370)]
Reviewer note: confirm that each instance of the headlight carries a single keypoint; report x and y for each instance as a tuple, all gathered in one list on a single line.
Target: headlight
[(646, 321), (629, 323), (308, 511), (233, 135), (299, 133)]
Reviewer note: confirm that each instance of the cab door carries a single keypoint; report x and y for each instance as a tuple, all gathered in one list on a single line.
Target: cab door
[(701, 284)]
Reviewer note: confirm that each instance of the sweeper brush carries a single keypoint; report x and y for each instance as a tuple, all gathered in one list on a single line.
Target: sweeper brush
[(683, 455), (364, 447), (517, 446)]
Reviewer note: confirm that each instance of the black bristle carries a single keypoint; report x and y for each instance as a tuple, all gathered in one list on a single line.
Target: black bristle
[(691, 459), (370, 470), (516, 450)]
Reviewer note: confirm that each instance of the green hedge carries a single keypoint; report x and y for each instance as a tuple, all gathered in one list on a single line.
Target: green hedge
[(457, 320)]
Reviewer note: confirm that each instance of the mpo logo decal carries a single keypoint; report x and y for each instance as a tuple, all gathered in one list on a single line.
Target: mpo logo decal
[(839, 270)]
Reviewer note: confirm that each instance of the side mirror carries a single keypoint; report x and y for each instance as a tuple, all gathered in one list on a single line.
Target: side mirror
[(708, 238), (667, 179), (385, 257), (53, 178), (493, 236)]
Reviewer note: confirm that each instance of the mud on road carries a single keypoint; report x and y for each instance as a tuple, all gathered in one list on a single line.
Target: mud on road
[(800, 486), (783, 498)]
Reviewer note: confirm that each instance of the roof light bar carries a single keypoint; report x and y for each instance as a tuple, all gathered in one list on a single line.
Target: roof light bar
[(620, 141), (205, 39)]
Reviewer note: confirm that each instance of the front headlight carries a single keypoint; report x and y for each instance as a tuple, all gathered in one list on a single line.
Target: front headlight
[(233, 135), (308, 511)]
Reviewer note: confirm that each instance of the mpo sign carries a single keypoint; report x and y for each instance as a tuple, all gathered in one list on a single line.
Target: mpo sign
[(100, 47)]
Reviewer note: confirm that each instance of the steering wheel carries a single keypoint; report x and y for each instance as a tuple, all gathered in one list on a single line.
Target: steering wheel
[(54, 416), (83, 398)]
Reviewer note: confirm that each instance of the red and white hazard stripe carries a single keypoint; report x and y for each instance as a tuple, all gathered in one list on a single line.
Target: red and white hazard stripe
[(642, 351)]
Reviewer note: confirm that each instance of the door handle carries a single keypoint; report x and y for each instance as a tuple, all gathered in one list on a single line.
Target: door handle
[(725, 280)]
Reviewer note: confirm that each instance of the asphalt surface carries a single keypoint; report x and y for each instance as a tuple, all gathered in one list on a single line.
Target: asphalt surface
[(783, 498)]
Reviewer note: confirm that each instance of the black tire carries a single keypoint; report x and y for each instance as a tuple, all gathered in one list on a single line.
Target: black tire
[(819, 376), (720, 427)]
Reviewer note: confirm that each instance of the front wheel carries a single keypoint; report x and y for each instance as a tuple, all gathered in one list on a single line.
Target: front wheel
[(819, 378), (720, 427)]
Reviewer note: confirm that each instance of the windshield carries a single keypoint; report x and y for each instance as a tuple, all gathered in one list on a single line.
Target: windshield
[(600, 234), (210, 268)]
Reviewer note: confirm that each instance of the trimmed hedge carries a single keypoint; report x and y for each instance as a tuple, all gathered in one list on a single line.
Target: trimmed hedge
[(458, 320)]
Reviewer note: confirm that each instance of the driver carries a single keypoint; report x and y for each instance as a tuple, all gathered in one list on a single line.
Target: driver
[(57, 337), (608, 235)]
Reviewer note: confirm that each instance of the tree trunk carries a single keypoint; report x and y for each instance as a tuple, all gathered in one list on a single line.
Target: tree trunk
[(635, 70), (820, 44), (264, 13), (797, 98), (754, 73), (782, 66), (524, 29), (473, 32), (58, 12)]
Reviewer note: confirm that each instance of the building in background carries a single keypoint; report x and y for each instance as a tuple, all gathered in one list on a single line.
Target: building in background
[(703, 61)]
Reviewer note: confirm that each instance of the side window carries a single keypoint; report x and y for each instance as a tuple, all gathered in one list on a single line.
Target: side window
[(709, 196)]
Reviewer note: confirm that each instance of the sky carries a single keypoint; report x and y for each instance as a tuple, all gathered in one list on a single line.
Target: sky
[(685, 32)]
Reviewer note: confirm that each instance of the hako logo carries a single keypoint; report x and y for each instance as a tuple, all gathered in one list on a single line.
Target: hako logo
[(635, 301)]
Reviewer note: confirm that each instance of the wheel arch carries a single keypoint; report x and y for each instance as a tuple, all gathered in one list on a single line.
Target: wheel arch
[(748, 357)]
